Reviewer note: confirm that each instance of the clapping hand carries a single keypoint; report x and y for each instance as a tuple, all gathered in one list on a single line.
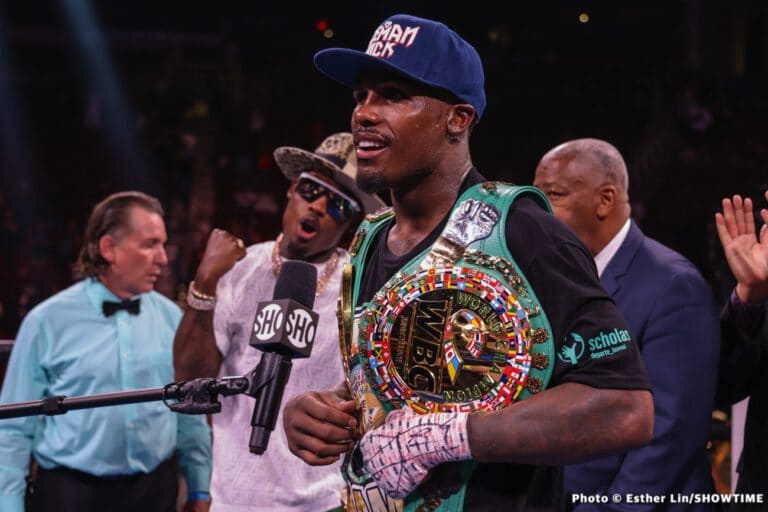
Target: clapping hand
[(745, 249)]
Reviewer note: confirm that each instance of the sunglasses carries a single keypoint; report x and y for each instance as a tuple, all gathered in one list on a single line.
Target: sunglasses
[(339, 206)]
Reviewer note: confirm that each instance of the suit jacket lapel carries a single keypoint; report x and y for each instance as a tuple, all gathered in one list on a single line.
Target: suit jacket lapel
[(619, 264)]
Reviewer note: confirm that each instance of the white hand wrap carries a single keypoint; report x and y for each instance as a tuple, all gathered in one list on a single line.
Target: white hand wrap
[(400, 452)]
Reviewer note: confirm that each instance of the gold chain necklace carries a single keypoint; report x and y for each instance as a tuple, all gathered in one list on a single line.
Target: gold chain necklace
[(322, 281)]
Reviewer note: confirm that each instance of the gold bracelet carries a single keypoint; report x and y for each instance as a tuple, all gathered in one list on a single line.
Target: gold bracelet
[(198, 303), (198, 294), (198, 300)]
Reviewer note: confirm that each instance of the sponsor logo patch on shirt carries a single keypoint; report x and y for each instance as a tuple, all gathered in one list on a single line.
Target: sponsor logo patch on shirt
[(603, 345)]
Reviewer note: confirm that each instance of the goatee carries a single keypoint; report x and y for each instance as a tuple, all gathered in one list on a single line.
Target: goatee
[(371, 182)]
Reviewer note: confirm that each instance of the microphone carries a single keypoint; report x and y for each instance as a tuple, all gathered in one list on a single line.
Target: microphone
[(283, 328)]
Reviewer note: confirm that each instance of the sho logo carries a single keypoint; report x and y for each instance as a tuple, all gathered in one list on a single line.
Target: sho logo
[(268, 321), (300, 329), (573, 352)]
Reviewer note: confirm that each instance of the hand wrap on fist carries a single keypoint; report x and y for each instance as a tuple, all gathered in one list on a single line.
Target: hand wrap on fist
[(399, 454)]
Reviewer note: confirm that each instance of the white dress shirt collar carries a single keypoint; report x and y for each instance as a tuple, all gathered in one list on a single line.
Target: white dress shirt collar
[(604, 257)]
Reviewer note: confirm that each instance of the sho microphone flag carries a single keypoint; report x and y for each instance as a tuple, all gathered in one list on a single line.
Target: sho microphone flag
[(283, 328)]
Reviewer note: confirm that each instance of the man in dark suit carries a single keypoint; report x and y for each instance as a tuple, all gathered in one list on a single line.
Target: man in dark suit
[(745, 335), (672, 316)]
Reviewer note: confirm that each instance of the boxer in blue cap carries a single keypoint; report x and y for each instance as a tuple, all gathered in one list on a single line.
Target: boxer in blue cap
[(470, 316)]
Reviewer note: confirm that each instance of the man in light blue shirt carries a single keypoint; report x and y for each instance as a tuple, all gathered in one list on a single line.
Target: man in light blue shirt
[(109, 332)]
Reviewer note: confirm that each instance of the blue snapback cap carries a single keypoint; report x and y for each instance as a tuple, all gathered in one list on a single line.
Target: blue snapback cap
[(416, 48)]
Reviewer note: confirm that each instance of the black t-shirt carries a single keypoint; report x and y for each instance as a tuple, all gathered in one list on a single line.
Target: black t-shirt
[(592, 341)]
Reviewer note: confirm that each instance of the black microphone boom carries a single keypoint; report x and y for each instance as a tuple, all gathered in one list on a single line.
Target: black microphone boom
[(283, 328)]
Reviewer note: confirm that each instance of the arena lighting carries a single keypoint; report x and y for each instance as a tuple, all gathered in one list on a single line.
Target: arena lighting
[(106, 98), (18, 164), (323, 27), (11, 138)]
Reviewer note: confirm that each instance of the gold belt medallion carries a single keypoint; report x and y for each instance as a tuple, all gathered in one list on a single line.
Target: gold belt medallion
[(448, 338)]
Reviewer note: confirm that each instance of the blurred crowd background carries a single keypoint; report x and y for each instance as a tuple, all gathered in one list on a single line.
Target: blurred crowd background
[(187, 100)]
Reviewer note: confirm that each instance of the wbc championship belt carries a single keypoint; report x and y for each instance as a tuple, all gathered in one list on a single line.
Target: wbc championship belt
[(457, 329)]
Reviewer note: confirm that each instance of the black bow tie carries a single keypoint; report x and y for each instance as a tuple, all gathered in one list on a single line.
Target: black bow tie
[(110, 307)]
